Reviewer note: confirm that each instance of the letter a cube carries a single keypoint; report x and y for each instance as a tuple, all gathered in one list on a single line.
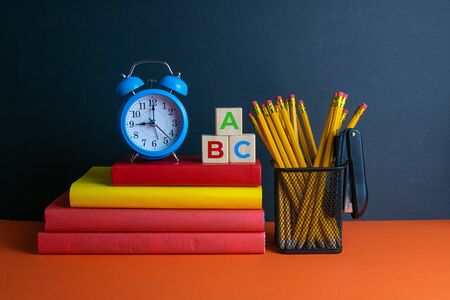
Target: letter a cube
[(228, 120), (214, 149), (242, 148)]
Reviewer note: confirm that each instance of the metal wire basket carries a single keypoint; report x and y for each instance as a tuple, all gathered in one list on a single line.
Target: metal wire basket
[(308, 209)]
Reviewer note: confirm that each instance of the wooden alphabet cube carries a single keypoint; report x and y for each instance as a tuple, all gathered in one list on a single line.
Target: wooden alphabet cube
[(228, 120), (214, 149), (242, 148)]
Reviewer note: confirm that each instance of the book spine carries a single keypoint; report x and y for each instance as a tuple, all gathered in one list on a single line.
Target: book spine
[(151, 243), (152, 220), (199, 175), (92, 195)]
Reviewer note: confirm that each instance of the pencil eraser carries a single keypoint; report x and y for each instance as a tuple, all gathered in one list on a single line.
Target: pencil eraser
[(263, 105), (250, 115), (345, 95), (336, 94), (364, 105), (340, 94), (292, 96), (255, 103), (269, 101), (279, 98), (300, 102), (345, 111)]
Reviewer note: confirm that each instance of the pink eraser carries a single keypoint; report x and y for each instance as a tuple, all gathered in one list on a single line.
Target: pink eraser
[(340, 94), (263, 105), (336, 94), (292, 96), (269, 101), (300, 101), (345, 95), (364, 105), (279, 98), (345, 111), (255, 103)]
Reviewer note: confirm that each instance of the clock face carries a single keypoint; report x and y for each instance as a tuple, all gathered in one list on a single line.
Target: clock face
[(153, 122)]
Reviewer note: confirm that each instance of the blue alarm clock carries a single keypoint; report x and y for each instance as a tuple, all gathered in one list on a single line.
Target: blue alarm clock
[(153, 121)]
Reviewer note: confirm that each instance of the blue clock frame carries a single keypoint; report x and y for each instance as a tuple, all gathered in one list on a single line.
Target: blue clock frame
[(154, 155)]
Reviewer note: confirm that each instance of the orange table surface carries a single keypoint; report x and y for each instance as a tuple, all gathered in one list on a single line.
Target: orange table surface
[(380, 260)]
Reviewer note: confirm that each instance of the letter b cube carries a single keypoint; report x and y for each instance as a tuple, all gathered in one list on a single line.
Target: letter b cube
[(214, 149)]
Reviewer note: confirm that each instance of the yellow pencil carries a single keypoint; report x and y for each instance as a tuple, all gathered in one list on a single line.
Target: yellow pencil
[(304, 144), (276, 137), (358, 113), (290, 133), (286, 105), (281, 133), (261, 135), (293, 114), (283, 123), (325, 130), (266, 131), (308, 130), (343, 117), (333, 129)]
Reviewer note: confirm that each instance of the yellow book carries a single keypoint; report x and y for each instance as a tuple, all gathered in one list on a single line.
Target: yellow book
[(94, 189)]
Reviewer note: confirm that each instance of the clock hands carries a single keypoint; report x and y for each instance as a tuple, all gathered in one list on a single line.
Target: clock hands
[(163, 131), (143, 124), (153, 111), (153, 124)]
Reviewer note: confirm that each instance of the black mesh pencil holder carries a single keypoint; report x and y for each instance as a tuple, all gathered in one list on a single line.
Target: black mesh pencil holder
[(308, 208)]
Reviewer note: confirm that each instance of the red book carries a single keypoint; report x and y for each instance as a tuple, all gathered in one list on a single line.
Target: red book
[(151, 243), (189, 171), (59, 216)]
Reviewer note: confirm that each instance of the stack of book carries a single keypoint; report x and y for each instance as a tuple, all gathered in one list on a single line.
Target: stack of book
[(162, 207)]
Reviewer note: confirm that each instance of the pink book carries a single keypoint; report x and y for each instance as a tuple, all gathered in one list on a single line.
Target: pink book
[(151, 243), (59, 216)]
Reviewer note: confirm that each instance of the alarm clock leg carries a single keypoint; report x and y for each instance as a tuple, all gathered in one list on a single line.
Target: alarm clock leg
[(133, 157), (175, 156)]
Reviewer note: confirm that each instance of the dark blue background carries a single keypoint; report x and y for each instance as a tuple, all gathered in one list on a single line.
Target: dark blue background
[(61, 63)]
